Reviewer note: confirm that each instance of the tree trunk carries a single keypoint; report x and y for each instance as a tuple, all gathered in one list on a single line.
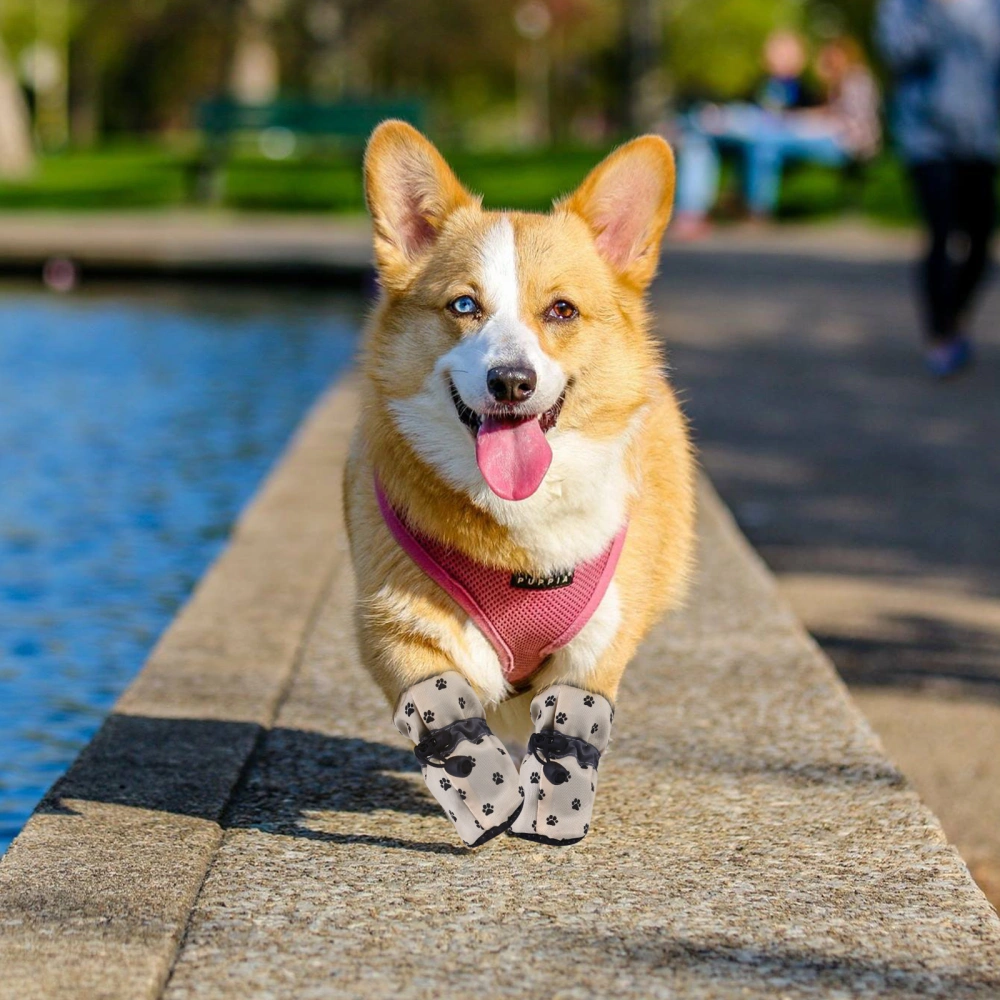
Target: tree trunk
[(17, 154), (644, 25), (254, 75)]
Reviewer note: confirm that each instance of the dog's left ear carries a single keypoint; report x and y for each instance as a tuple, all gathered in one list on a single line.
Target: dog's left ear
[(410, 191), (626, 201)]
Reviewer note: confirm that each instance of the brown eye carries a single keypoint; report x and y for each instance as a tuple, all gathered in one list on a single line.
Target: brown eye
[(562, 310)]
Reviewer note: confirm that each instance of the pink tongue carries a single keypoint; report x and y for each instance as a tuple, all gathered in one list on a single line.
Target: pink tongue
[(513, 456)]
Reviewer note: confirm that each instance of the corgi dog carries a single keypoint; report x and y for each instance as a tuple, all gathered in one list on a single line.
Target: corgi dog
[(519, 494)]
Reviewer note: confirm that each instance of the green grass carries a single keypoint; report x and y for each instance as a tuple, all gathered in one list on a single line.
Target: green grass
[(333, 183), (114, 178), (879, 190), (148, 176)]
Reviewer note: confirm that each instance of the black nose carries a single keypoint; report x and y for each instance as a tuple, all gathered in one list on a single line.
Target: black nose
[(511, 385)]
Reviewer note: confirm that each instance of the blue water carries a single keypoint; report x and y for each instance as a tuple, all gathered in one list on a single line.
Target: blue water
[(133, 428)]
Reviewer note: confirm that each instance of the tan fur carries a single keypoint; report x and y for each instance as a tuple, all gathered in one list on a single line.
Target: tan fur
[(428, 230)]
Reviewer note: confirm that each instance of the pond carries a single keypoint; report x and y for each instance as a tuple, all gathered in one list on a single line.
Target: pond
[(134, 426)]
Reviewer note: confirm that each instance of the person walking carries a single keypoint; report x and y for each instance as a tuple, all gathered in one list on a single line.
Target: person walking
[(945, 56)]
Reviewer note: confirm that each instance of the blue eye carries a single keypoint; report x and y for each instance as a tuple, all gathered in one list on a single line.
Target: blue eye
[(464, 305)]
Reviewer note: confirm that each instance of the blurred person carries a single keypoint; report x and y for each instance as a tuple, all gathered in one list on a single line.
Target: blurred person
[(786, 123), (945, 56), (784, 87), (852, 110)]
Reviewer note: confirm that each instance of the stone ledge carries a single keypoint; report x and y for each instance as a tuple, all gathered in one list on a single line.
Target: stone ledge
[(247, 824), (182, 243)]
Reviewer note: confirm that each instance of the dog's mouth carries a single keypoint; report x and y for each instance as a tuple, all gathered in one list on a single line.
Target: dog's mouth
[(511, 450), (474, 420)]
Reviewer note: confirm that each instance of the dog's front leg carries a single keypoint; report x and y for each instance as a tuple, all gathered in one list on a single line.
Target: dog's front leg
[(571, 717), (418, 653), (466, 767), (559, 773)]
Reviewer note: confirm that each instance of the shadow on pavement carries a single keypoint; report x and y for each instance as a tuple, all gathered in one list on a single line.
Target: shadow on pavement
[(837, 454), (191, 767), (728, 965), (242, 776), (919, 649)]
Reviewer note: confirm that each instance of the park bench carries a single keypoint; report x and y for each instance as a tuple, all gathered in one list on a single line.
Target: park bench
[(278, 125)]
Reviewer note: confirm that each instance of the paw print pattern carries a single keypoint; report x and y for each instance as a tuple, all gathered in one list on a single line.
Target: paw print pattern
[(434, 703), (563, 710), (520, 791), (586, 828)]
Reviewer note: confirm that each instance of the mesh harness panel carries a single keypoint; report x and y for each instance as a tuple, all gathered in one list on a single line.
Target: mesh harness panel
[(524, 621)]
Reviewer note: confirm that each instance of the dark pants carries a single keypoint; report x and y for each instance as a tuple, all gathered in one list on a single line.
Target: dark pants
[(958, 202)]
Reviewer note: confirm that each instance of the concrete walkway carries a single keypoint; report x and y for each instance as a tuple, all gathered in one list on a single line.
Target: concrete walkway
[(872, 492), (248, 825)]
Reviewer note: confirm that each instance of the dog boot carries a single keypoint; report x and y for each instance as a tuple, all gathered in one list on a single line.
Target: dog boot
[(465, 766), (559, 773)]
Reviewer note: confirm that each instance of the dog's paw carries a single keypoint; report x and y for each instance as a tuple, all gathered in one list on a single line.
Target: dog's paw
[(465, 766), (480, 791), (559, 773)]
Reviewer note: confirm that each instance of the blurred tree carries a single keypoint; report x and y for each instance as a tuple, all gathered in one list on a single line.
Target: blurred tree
[(833, 17), (644, 48), (16, 153), (141, 65), (255, 74), (45, 66), (461, 52), (599, 67), (714, 45)]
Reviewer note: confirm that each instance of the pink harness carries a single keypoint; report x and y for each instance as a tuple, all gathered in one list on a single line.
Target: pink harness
[(525, 618)]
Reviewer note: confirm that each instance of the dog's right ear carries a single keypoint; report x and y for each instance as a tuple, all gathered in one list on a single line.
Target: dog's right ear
[(410, 192)]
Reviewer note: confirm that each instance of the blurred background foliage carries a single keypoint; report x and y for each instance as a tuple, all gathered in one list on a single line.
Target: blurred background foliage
[(143, 65), (524, 92)]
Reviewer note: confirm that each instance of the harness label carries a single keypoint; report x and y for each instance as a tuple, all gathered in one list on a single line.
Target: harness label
[(527, 581)]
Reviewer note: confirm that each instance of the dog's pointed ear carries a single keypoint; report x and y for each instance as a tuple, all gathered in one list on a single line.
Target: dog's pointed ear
[(410, 191), (626, 201)]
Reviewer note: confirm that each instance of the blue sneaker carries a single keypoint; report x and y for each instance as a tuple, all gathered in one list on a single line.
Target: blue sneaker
[(948, 358)]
